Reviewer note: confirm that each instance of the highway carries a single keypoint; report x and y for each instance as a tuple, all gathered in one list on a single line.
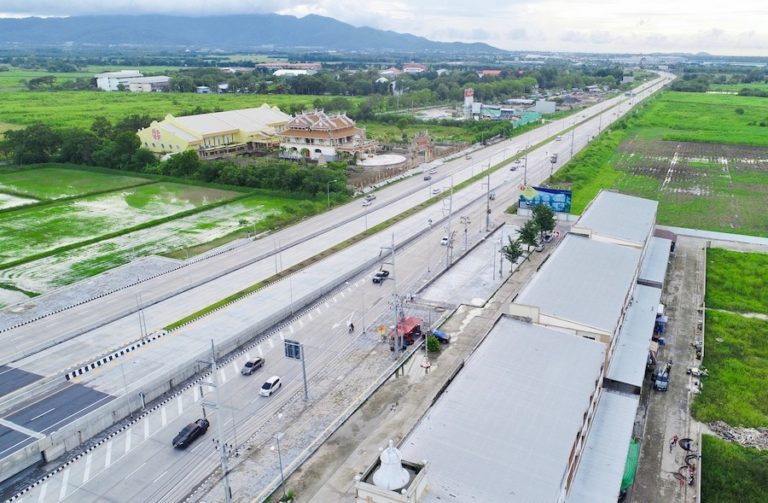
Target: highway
[(322, 327)]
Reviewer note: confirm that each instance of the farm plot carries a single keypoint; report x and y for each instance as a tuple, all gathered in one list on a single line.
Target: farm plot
[(707, 186), (33, 231), (54, 182), (69, 266), (9, 201)]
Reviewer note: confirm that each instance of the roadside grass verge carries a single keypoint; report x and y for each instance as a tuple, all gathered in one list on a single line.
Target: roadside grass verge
[(737, 281), (736, 355), (732, 473)]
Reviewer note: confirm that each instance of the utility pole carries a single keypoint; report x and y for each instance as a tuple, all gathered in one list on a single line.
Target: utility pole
[(449, 245), (525, 171), (488, 199), (573, 133), (219, 421), (395, 299)]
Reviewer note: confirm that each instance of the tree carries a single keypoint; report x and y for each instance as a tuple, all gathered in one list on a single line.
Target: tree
[(184, 164), (513, 250), (33, 144), (101, 127), (433, 345), (78, 146), (529, 235), (544, 218)]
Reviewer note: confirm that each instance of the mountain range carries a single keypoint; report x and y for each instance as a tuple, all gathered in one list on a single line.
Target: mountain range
[(255, 31)]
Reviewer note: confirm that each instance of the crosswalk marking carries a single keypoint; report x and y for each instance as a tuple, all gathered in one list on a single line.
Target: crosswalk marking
[(128, 440), (108, 458), (64, 484), (163, 418), (87, 472)]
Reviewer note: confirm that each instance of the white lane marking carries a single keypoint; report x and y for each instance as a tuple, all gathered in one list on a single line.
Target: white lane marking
[(318, 311), (291, 328), (136, 470), (282, 337), (223, 376), (309, 314), (161, 476), (234, 366), (271, 343), (180, 405), (146, 428), (301, 323), (87, 472), (43, 490), (108, 458), (64, 484), (261, 353), (41, 415), (163, 418), (128, 440), (327, 305), (334, 298), (196, 394)]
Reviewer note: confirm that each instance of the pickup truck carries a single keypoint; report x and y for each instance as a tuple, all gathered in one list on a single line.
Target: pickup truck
[(380, 276)]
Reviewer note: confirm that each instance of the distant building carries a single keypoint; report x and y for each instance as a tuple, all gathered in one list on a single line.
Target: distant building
[(111, 81), (278, 65), (628, 79), (292, 72), (149, 84), (544, 107), (217, 134), (203, 90), (488, 73), (390, 72), (318, 136), (414, 68)]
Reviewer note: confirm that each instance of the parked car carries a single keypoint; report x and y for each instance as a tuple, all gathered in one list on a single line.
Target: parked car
[(539, 247), (252, 366), (270, 386), (444, 241), (547, 237), (661, 380), (190, 432), (380, 276), (441, 336)]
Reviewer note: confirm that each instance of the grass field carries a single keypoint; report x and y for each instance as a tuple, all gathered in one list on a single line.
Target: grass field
[(391, 133), (761, 86), (237, 218), (667, 153), (737, 281), (732, 473), (79, 108), (736, 355), (56, 182), (31, 231), (11, 201), (14, 79)]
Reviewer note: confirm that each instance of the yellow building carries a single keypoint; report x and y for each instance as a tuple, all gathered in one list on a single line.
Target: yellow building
[(217, 134)]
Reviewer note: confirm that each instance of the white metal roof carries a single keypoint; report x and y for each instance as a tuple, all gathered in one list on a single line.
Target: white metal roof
[(167, 126), (120, 74), (504, 428), (584, 281), (654, 268), (247, 120), (598, 477), (154, 79), (618, 216), (631, 352)]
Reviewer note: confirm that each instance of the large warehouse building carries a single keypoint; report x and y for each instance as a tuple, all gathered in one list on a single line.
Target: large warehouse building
[(217, 134)]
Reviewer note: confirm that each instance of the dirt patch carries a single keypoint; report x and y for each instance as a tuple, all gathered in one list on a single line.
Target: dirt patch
[(746, 437)]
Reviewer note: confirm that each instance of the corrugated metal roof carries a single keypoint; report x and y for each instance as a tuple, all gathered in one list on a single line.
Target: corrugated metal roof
[(598, 477), (619, 216), (167, 126), (504, 428), (654, 268), (584, 281), (631, 352), (248, 120)]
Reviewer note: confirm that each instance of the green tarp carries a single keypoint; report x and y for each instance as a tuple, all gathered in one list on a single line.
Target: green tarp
[(631, 467)]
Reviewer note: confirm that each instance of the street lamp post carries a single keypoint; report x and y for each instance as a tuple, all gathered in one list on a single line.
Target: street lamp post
[(280, 435), (328, 191)]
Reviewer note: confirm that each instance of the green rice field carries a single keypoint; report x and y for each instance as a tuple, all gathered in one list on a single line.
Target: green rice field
[(56, 182)]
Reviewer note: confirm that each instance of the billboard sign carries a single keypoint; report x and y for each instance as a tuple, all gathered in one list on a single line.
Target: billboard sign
[(558, 200)]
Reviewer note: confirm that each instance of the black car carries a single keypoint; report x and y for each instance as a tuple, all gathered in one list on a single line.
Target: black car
[(380, 276), (190, 432), (252, 366)]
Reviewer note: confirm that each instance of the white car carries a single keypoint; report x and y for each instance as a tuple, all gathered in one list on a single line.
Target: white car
[(270, 386), (558, 138), (367, 202), (436, 190), (444, 241)]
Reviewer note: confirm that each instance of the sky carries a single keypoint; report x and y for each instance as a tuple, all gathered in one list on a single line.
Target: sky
[(738, 27)]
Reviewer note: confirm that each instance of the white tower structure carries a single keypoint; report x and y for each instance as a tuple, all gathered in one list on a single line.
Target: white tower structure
[(391, 475), (469, 99)]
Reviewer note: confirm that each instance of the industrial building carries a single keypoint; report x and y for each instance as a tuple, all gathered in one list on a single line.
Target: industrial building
[(321, 137), (558, 378), (131, 80), (217, 134)]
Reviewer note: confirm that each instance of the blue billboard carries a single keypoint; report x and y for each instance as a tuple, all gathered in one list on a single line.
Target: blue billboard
[(558, 200)]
